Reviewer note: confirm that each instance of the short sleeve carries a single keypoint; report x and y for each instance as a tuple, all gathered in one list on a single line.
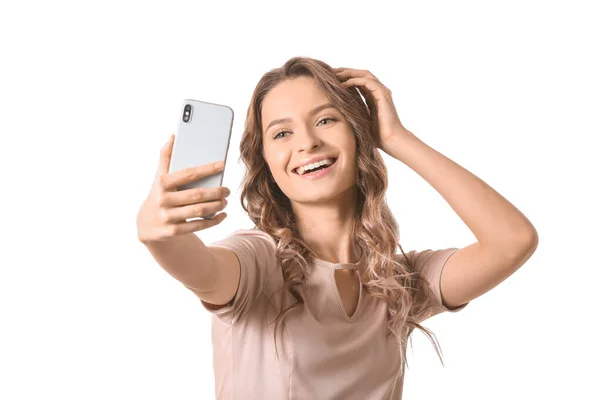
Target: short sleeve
[(255, 251), (430, 264)]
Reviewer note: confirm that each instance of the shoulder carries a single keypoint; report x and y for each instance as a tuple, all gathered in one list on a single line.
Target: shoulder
[(253, 247), (425, 261), (255, 252)]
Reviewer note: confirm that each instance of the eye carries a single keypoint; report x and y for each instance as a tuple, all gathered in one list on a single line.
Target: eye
[(326, 119), (279, 133)]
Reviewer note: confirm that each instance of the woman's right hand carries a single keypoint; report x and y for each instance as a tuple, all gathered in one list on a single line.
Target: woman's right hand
[(163, 214)]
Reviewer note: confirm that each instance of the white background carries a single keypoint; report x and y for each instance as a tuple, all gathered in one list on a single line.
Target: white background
[(89, 93)]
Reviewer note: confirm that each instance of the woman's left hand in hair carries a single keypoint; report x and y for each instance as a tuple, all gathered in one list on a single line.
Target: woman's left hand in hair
[(380, 103)]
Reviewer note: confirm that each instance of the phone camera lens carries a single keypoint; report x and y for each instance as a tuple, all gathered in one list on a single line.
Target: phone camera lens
[(187, 112)]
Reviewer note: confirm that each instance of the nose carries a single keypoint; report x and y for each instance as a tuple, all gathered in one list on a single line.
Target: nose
[(307, 140)]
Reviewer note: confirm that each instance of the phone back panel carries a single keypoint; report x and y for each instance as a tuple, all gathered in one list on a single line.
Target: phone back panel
[(204, 139)]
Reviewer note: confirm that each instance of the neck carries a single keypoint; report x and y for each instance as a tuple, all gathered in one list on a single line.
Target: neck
[(326, 227)]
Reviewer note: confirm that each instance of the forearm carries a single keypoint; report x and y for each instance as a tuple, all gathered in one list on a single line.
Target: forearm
[(494, 221), (187, 259)]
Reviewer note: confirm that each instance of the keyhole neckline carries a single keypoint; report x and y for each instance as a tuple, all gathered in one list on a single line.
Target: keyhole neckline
[(328, 264)]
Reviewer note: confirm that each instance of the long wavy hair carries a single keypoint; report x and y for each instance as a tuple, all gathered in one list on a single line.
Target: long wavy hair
[(375, 228)]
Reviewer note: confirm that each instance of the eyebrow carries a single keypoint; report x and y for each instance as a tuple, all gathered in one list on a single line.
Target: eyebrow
[(314, 111)]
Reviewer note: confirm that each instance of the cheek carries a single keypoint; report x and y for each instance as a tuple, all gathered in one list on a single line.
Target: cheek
[(281, 159), (277, 161)]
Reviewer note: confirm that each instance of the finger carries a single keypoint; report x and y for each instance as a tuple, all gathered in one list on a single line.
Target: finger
[(197, 225), (376, 88), (165, 156), (346, 73), (340, 69), (173, 180), (193, 196), (180, 214)]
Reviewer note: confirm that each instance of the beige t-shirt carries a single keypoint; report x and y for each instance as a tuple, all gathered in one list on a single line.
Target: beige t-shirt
[(323, 353)]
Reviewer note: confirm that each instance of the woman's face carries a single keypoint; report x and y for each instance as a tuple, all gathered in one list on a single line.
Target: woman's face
[(298, 126)]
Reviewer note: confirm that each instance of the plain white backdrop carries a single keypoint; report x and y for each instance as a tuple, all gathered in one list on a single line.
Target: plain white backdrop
[(89, 93)]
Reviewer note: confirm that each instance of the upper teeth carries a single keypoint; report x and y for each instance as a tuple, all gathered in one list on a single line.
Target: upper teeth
[(309, 167)]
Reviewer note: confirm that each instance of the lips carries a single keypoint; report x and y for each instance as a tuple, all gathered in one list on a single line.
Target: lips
[(295, 170)]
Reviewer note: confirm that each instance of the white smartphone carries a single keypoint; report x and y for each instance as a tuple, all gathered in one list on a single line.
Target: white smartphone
[(202, 138)]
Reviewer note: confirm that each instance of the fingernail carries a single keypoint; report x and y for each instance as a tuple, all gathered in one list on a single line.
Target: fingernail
[(220, 164)]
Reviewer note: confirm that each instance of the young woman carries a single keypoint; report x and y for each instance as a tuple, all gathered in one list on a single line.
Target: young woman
[(315, 302)]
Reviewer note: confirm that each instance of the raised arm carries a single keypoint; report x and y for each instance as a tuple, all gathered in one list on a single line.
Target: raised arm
[(163, 227)]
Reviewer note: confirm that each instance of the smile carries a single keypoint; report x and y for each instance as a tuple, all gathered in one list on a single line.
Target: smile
[(317, 172)]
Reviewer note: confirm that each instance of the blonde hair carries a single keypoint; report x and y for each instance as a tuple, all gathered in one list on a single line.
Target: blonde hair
[(375, 228)]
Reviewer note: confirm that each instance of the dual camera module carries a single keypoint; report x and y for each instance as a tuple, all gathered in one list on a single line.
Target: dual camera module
[(187, 113)]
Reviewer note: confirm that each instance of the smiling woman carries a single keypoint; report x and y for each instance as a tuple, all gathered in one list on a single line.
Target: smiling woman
[(322, 253), (315, 302)]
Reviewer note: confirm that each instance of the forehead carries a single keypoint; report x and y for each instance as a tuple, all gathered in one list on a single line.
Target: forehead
[(291, 99)]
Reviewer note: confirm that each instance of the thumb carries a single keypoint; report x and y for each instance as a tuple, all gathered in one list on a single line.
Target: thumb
[(165, 157)]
